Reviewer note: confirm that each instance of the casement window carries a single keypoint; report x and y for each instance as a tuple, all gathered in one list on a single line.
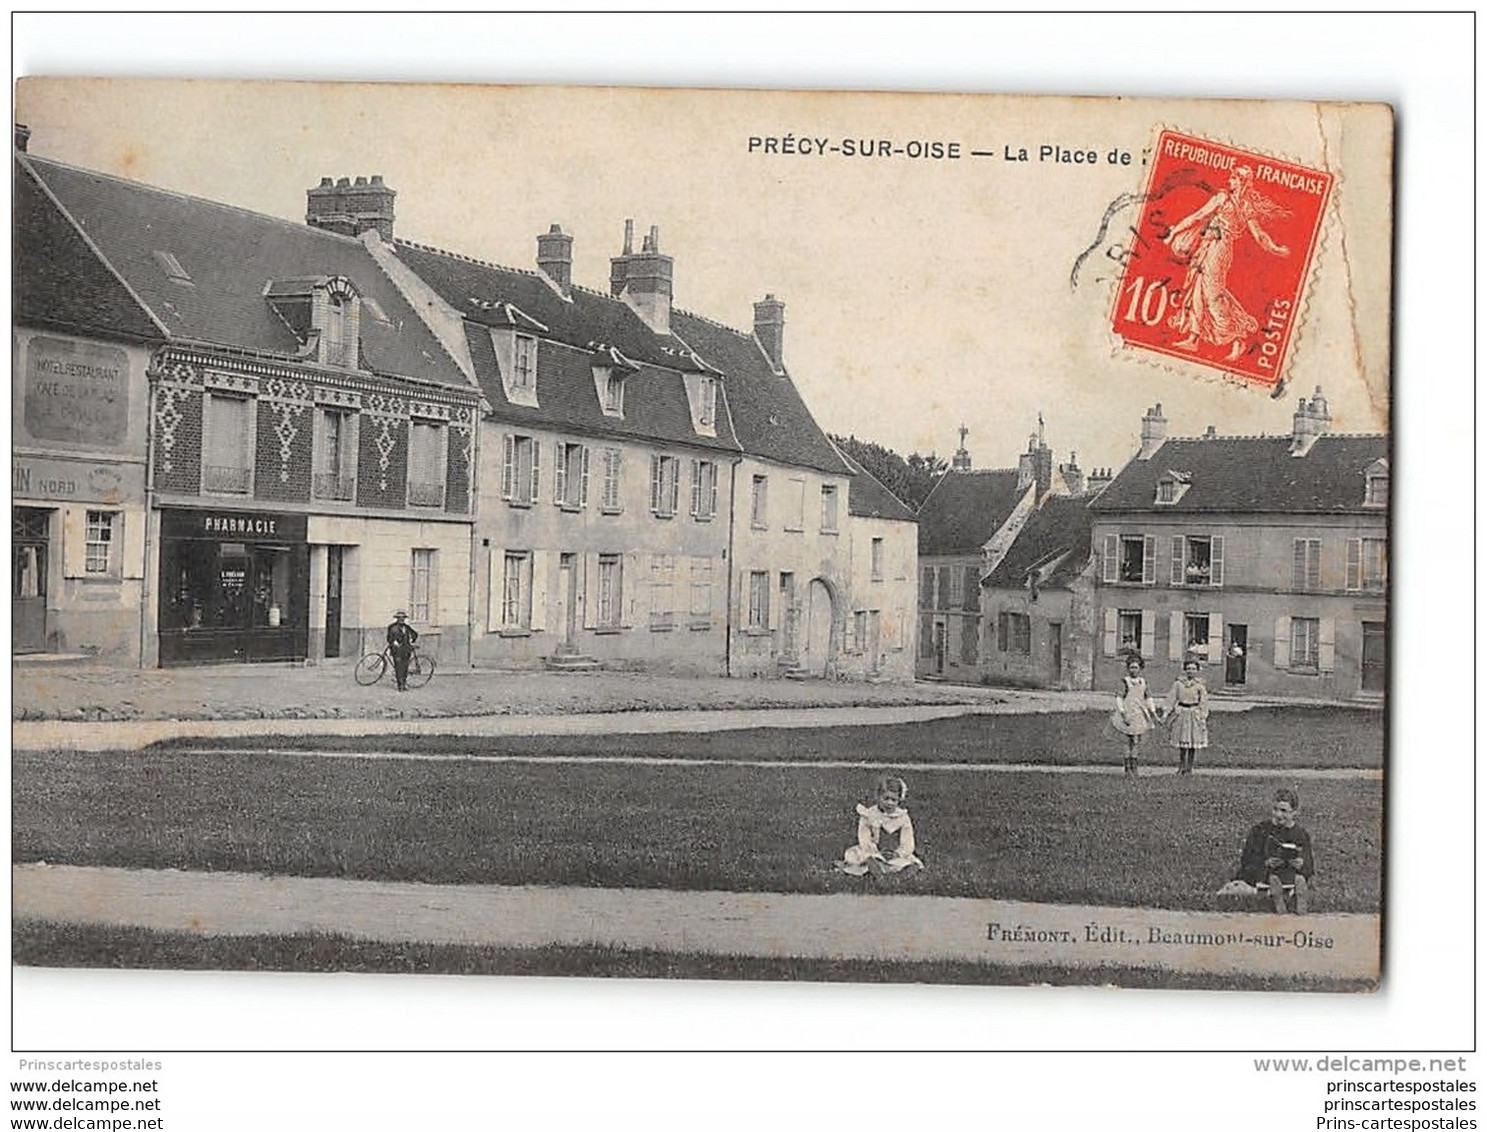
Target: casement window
[(423, 581), (876, 560), (610, 583), (520, 470), (426, 463), (1306, 644), (1306, 564), (795, 504), (227, 445), (1197, 560), (1306, 637), (759, 503), (828, 509), (758, 599), (614, 394), (1129, 630), (1167, 491), (609, 502), (99, 555), (524, 363), (1376, 486), (957, 587), (1195, 633), (701, 606), (927, 588), (663, 571), (664, 488), (1368, 564), (1129, 558), (971, 589), (704, 489), (336, 340), (571, 475), (516, 590), (707, 402), (335, 455), (1015, 633)]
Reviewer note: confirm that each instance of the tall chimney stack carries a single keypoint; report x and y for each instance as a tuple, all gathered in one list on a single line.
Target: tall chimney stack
[(351, 209), (643, 279), (555, 258), (1310, 421), (1153, 432), (769, 330)]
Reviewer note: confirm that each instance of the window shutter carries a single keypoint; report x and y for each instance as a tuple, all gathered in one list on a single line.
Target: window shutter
[(712, 492), (1314, 564), (350, 445), (1149, 561), (495, 580), (772, 607), (1298, 564), (320, 463), (74, 542), (696, 487), (1148, 632), (628, 585), (1174, 635), (1216, 561), (1112, 561), (583, 481), (1326, 644), (560, 473), (133, 561), (1355, 564), (1112, 619), (1177, 564), (541, 567), (508, 468), (536, 470), (1215, 637), (675, 486), (590, 595), (1282, 642), (655, 483)]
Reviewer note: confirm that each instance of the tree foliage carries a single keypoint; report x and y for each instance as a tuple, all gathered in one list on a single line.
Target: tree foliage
[(909, 477)]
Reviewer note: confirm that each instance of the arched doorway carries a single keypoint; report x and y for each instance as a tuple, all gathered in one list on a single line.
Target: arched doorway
[(819, 652)]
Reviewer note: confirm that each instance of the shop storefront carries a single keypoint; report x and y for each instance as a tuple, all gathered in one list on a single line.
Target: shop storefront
[(234, 586)]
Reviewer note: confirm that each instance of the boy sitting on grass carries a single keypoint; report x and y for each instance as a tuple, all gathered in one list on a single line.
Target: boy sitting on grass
[(885, 835), (1277, 856)]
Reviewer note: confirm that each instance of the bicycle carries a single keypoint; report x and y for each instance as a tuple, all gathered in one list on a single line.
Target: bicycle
[(373, 666)]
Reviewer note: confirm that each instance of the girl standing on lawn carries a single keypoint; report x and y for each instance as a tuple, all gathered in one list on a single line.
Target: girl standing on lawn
[(1135, 711), (1186, 709)]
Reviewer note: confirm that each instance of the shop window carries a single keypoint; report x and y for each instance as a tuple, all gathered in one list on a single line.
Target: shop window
[(99, 553), (426, 463), (335, 457), (422, 596), (227, 442)]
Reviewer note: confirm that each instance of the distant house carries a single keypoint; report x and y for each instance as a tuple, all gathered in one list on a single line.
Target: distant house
[(1037, 604), (1266, 557), (880, 630)]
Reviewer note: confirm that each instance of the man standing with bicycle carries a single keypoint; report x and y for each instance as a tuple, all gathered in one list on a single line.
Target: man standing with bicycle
[(400, 639)]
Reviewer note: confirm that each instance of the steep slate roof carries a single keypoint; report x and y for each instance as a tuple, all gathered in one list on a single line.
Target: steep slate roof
[(480, 292), (964, 509), (232, 256), (868, 498), (58, 279), (656, 405), (769, 416), (1060, 526), (1250, 474)]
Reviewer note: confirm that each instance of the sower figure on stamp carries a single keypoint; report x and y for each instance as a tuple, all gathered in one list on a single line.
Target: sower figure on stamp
[(400, 639), (1207, 310)]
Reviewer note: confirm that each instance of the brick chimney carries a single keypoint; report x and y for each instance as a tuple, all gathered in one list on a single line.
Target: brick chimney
[(1153, 432), (643, 279), (1310, 421), (555, 258), (1098, 480), (351, 208), (769, 330), (22, 137), (1036, 464), (1072, 475)]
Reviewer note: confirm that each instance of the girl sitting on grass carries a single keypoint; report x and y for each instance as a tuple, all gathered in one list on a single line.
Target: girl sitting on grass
[(885, 835)]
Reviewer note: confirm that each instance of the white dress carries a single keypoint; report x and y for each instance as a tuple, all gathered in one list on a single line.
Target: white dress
[(885, 843)]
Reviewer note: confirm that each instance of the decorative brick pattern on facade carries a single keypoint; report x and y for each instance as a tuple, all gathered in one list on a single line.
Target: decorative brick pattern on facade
[(382, 462), (285, 444), (178, 410)]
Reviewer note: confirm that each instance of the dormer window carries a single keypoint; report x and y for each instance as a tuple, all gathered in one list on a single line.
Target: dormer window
[(324, 313), (1171, 486), (614, 394), (524, 364), (611, 370), (1376, 484), (702, 398)]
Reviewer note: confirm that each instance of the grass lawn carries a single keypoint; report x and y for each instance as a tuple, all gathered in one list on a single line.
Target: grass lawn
[(1158, 841), (40, 944), (1260, 737)]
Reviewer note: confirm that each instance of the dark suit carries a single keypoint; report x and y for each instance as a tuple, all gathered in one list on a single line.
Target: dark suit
[(400, 638)]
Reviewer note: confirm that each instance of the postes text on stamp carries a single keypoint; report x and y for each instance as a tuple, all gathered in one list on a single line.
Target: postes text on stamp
[(1219, 264)]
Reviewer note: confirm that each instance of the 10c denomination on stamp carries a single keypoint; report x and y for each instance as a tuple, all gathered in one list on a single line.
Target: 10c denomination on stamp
[(1217, 271)]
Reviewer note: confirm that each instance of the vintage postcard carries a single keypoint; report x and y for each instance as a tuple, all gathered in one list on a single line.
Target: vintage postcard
[(703, 534)]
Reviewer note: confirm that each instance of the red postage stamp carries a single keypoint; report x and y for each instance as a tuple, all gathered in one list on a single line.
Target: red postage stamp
[(1219, 262)]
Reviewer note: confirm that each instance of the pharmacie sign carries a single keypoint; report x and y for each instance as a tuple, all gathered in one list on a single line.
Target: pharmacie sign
[(234, 526)]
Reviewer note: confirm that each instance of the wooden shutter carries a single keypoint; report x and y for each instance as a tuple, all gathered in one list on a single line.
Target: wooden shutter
[(1215, 637), (696, 487), (627, 587), (74, 542), (1177, 564), (495, 576), (1216, 561), (508, 468), (133, 546), (675, 486), (536, 469), (1112, 629), (1175, 640), (542, 564), (655, 483), (583, 480), (1282, 642), (560, 473), (1326, 644), (590, 596), (1298, 564), (1354, 579), (1149, 561), (712, 490), (1111, 572), (1148, 632)]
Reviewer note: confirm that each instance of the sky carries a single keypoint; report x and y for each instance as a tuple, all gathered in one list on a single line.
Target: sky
[(920, 295)]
